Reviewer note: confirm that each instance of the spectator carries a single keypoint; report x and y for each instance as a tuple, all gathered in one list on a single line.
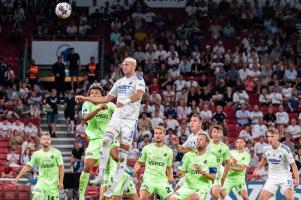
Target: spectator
[(258, 147), (169, 95), (31, 130), (240, 97), (21, 110), (182, 95), (228, 31), (182, 110), (219, 116), (259, 129), (215, 30), (92, 68), (8, 172), (26, 156), (157, 119), (206, 114), (80, 129), (293, 102), (276, 97), (144, 142), (34, 102), (145, 124), (13, 158), (294, 129), (264, 98), (76, 156), (28, 143), (15, 140), (17, 127), (74, 67), (254, 159), (256, 115), (69, 112), (288, 142), (246, 133), (58, 70), (270, 117), (133, 152), (281, 116), (5, 127), (243, 115), (52, 101), (83, 29), (171, 123), (72, 29)]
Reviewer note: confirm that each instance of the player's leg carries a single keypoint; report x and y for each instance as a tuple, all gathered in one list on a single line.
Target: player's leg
[(102, 190), (84, 177), (227, 188), (288, 189), (130, 190), (182, 194), (127, 135), (264, 194), (244, 194), (144, 195), (38, 194), (164, 190), (242, 189)]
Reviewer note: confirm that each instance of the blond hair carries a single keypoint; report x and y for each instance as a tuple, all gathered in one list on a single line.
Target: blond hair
[(161, 128), (204, 133), (272, 131), (131, 60)]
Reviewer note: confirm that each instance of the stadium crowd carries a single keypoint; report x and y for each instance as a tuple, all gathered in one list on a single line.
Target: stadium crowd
[(236, 64)]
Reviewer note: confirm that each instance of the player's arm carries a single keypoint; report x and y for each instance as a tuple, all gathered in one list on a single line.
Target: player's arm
[(136, 97), (262, 163), (226, 170), (24, 170), (103, 99), (90, 115), (295, 173), (239, 168), (137, 167), (141, 161), (210, 175), (169, 173), (62, 172), (114, 153), (180, 148)]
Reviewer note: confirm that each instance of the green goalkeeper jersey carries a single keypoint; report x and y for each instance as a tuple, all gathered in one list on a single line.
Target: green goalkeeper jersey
[(207, 162), (221, 152), (156, 160), (238, 159), (98, 124), (48, 164)]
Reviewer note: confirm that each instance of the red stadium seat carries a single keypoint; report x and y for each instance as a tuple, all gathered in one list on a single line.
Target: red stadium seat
[(293, 115), (4, 150), (3, 156), (24, 195), (232, 131), (3, 162), (10, 187), (4, 144), (23, 188)]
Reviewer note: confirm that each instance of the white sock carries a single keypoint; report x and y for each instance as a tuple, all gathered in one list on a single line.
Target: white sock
[(122, 158), (104, 155), (227, 197)]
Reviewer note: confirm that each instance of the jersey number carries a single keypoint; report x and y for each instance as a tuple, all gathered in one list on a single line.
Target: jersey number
[(168, 190), (50, 197)]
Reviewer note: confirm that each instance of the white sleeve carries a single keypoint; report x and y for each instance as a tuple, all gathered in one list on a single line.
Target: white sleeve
[(181, 182), (140, 85), (290, 157), (113, 91)]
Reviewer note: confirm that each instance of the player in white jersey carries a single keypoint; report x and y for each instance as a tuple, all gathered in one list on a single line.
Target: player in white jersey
[(129, 91), (280, 160)]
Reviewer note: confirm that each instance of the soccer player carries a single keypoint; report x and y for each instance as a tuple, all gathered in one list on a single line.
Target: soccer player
[(222, 154), (97, 116), (157, 159), (51, 170), (280, 160), (195, 125), (128, 91), (126, 186), (200, 167), (240, 160)]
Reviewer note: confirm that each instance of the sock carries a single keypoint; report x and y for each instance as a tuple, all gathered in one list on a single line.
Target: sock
[(104, 155), (83, 182), (122, 158), (227, 197)]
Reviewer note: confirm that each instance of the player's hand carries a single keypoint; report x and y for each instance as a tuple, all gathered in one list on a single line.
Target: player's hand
[(222, 180), (15, 181), (136, 173), (79, 98), (197, 168), (61, 186), (296, 182), (180, 174), (172, 180)]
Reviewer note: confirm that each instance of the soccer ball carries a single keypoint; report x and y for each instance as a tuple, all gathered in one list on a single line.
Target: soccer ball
[(63, 10)]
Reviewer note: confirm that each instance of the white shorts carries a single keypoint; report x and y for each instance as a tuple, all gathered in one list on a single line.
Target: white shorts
[(123, 129), (272, 185)]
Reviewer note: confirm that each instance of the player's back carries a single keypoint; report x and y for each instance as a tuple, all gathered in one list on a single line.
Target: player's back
[(279, 161), (125, 88)]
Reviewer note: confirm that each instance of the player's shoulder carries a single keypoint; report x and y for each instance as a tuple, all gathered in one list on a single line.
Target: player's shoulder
[(285, 148), (55, 150), (233, 151), (210, 156), (224, 146), (86, 104), (111, 105), (138, 77), (168, 149), (148, 146), (267, 148)]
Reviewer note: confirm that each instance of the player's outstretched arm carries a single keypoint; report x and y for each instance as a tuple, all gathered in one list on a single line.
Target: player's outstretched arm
[(136, 97), (24, 170), (296, 174), (226, 170), (262, 163), (104, 99), (62, 172)]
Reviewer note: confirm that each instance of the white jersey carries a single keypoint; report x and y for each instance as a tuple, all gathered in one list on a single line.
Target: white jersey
[(279, 161), (125, 88), (191, 141)]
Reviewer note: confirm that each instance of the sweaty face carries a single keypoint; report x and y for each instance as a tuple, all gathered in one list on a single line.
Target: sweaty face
[(95, 93), (127, 67), (195, 124), (158, 135), (272, 138), (46, 141), (240, 144)]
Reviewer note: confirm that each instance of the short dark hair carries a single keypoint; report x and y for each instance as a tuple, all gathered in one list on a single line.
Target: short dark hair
[(197, 116)]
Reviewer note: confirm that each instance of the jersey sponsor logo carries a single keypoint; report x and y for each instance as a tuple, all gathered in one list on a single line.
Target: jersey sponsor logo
[(101, 115), (45, 166), (274, 161), (155, 163), (192, 171)]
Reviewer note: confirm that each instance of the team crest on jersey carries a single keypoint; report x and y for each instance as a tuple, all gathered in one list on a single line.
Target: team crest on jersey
[(280, 156), (165, 154), (219, 151), (52, 157), (243, 158), (205, 162)]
